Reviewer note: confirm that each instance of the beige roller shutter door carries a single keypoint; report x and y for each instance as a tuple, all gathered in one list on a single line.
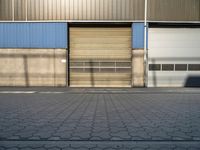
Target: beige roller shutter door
[(100, 57)]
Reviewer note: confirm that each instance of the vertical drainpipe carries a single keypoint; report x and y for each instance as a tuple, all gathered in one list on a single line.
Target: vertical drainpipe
[(145, 45)]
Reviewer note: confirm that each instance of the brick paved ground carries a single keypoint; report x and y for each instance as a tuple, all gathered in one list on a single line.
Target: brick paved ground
[(100, 119)]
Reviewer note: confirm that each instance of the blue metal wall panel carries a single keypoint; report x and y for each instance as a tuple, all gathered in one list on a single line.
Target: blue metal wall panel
[(137, 35), (23, 31), (33, 35), (1, 35), (37, 35), (51, 35), (62, 39)]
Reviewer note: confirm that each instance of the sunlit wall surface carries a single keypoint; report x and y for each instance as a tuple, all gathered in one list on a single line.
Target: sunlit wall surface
[(158, 10)]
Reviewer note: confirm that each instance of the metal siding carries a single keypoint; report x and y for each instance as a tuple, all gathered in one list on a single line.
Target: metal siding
[(138, 35), (9, 35), (23, 31), (37, 35), (20, 9), (33, 35), (45, 10), (1, 35), (41, 10), (5, 9), (88, 8), (61, 38), (173, 10), (158, 10), (76, 9), (51, 35), (84, 9)]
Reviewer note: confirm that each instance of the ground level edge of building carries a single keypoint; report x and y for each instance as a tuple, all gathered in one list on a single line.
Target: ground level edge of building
[(62, 54)]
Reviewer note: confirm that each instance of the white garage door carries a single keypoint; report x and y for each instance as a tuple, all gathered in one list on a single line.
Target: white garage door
[(174, 57)]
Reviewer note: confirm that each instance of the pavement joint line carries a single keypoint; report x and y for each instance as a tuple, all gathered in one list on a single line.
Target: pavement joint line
[(139, 141)]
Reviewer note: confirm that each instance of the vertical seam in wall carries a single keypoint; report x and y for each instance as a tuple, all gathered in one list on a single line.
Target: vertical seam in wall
[(13, 10), (26, 10), (56, 9), (199, 10), (68, 58), (54, 66), (132, 65), (86, 10)]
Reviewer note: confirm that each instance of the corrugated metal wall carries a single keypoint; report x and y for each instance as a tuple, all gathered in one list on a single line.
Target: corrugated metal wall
[(158, 10), (85, 9), (174, 10), (6, 10), (20, 9), (33, 35)]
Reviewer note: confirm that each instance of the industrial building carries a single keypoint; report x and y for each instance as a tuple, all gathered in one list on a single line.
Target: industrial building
[(100, 43)]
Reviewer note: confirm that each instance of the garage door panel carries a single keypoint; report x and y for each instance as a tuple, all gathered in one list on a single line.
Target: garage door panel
[(176, 42), (171, 34), (100, 46), (100, 31), (100, 57), (105, 40), (177, 47), (101, 76), (100, 54), (100, 35), (170, 79), (95, 54)]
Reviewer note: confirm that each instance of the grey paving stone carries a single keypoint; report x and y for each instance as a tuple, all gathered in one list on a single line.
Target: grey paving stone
[(102, 135), (13, 137), (100, 117)]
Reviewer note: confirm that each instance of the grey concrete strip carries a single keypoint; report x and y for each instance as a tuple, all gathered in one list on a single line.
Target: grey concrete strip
[(100, 90), (17, 92)]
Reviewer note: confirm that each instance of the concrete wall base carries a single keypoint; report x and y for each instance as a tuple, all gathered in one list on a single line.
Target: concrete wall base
[(138, 68), (33, 67)]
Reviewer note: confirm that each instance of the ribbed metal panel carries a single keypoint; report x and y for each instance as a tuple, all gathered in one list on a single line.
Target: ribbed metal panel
[(76, 9), (174, 10), (158, 10), (20, 9), (6, 10), (100, 56), (33, 35), (138, 35)]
